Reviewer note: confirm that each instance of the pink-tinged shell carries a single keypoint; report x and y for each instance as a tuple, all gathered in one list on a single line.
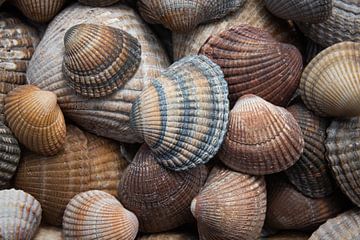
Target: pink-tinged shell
[(98, 3)]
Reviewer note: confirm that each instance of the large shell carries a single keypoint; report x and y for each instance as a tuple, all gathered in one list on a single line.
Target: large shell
[(98, 215), (48, 233), (99, 3), (254, 62), (330, 84), (262, 138), (20, 215), (108, 116), (87, 162), (183, 114), (99, 59), (36, 119)]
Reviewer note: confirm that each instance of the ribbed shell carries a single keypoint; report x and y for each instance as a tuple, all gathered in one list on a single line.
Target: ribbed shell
[(98, 215), (48, 233), (35, 119), (312, 49), (231, 206), (98, 3), (176, 235), (160, 198), (87, 163), (254, 62), (330, 84), (108, 116), (20, 215), (99, 59)]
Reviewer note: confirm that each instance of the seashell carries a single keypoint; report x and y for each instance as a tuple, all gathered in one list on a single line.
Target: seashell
[(48, 233), (183, 114), (87, 163), (262, 138), (160, 198), (175, 235), (231, 205), (329, 84), (20, 215), (99, 59), (108, 116), (288, 235), (254, 62), (312, 49), (98, 3), (36, 119), (98, 215)]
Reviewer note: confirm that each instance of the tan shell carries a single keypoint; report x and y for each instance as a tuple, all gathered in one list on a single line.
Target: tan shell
[(98, 3), (174, 235), (48, 233)]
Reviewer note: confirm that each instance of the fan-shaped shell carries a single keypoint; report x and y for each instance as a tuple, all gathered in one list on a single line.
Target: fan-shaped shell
[(98, 3), (176, 235), (98, 215), (20, 215), (48, 233), (36, 119), (87, 163), (330, 84)]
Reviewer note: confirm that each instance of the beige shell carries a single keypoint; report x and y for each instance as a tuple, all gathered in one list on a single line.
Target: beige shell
[(46, 232), (98, 3), (173, 235)]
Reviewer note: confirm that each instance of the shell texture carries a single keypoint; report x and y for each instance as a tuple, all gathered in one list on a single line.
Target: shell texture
[(176, 235), (98, 3), (312, 49), (48, 233)]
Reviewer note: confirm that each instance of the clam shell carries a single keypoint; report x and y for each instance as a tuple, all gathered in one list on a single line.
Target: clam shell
[(20, 215), (254, 62), (36, 119), (99, 59), (98, 3), (87, 163), (98, 215), (330, 83), (48, 233)]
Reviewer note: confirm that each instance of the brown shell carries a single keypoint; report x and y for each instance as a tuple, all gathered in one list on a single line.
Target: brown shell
[(288, 235), (98, 3), (46, 232)]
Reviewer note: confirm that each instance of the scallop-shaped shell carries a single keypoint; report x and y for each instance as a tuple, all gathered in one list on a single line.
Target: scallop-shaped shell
[(87, 163), (330, 84), (108, 116), (231, 205), (98, 3), (20, 215), (160, 198), (183, 114), (36, 119), (48, 233), (254, 62), (99, 59), (98, 215), (175, 235)]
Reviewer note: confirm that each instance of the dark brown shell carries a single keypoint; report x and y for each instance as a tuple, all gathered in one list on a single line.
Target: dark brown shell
[(98, 3)]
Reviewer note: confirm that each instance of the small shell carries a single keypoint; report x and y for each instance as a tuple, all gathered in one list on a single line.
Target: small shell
[(98, 215), (36, 119), (48, 233), (20, 215), (98, 3), (183, 114), (99, 59), (330, 84)]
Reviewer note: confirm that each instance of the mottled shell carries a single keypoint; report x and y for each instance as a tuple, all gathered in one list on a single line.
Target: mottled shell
[(35, 119), (99, 59), (231, 205), (160, 198), (98, 215), (20, 215), (253, 62), (98, 3), (330, 84), (175, 235), (87, 163), (48, 233)]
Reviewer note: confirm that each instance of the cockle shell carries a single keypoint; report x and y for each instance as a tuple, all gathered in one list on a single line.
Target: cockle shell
[(98, 3), (312, 49), (46, 232), (254, 62), (20, 215), (87, 163), (330, 84), (98, 215), (36, 119), (99, 59)]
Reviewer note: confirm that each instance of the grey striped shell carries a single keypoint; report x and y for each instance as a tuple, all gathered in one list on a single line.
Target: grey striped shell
[(183, 114), (98, 3)]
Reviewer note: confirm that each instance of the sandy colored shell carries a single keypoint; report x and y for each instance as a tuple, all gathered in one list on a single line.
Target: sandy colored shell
[(330, 84), (98, 3), (48, 233), (174, 235)]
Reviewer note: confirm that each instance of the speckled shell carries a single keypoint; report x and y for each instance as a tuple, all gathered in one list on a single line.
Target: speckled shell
[(254, 62), (176, 235), (35, 119), (109, 116), (160, 198), (20, 215), (99, 59), (87, 163), (98, 215), (98, 3), (48, 233), (330, 84), (231, 205)]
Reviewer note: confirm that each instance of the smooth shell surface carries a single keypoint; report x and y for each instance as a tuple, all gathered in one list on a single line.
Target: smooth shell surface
[(98, 3), (48, 233)]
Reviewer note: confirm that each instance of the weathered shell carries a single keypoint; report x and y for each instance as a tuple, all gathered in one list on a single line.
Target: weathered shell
[(98, 3), (183, 114), (48, 233), (35, 119), (87, 163), (98, 215), (254, 62), (20, 215), (99, 59), (108, 116), (330, 84), (231, 205), (262, 138), (175, 235)]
